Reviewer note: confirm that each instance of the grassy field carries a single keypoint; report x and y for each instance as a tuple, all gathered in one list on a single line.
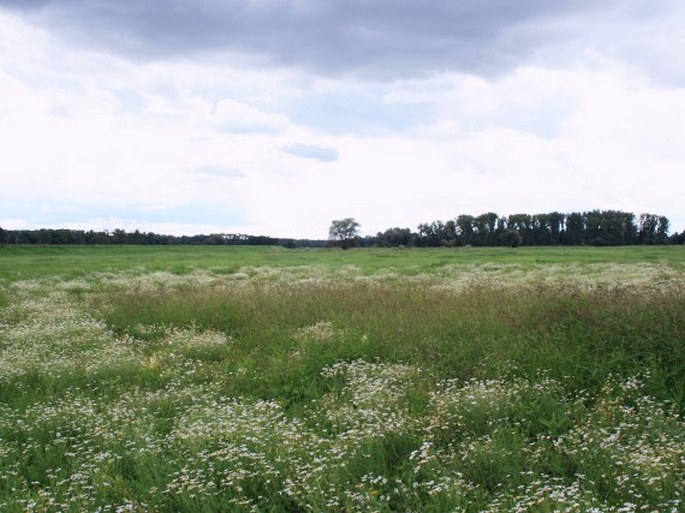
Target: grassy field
[(27, 262), (214, 379)]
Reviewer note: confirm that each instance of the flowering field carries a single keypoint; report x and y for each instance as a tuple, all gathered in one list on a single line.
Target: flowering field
[(329, 381)]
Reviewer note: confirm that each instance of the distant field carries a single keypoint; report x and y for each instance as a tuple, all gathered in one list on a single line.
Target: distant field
[(213, 379), (21, 262)]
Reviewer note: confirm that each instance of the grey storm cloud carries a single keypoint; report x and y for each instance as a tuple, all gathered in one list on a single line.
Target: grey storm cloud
[(368, 37), (312, 151)]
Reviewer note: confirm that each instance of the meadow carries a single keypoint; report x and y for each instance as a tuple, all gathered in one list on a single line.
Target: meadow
[(218, 379)]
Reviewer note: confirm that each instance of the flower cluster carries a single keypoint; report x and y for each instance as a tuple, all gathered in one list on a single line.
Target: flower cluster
[(165, 418)]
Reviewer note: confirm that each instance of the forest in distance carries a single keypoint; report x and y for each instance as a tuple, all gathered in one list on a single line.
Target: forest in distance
[(596, 227)]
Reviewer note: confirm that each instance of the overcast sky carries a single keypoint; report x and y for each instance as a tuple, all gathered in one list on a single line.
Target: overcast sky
[(275, 117)]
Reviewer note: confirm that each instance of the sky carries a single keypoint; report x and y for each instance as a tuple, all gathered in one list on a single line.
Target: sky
[(275, 117)]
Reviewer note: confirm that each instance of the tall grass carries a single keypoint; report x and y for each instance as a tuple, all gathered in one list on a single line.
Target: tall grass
[(584, 335), (486, 388)]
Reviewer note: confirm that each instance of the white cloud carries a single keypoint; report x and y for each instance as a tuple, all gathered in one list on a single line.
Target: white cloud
[(312, 151), (233, 116), (190, 146)]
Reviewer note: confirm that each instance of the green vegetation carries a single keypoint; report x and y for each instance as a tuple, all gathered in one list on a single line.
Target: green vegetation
[(198, 379), (596, 228), (27, 262)]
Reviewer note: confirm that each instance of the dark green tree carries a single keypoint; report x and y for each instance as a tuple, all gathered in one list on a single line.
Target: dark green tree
[(465, 229), (394, 237), (593, 228), (510, 238), (485, 228), (541, 229), (677, 238), (119, 236), (449, 233), (574, 229), (648, 225), (344, 231), (437, 234), (556, 227), (662, 230), (522, 223)]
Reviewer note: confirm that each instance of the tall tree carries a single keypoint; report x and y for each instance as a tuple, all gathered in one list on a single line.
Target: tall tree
[(465, 229), (662, 230), (593, 228), (395, 237), (344, 231), (522, 223), (629, 228), (437, 234), (648, 225), (574, 229), (485, 227), (556, 226), (449, 233), (542, 232)]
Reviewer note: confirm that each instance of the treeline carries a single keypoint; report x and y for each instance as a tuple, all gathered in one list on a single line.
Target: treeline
[(597, 227), (119, 236)]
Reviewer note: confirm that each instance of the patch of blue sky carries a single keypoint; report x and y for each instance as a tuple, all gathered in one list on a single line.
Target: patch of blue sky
[(247, 127), (545, 118), (358, 113), (44, 79), (312, 151), (52, 214), (194, 213), (131, 101), (220, 171)]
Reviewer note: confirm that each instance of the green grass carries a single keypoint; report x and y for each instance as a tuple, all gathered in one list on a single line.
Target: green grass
[(194, 379), (27, 262), (583, 336)]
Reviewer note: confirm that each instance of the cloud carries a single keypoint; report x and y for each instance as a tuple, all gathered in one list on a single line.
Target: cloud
[(312, 151), (54, 213), (232, 116), (219, 171), (141, 113), (352, 109), (372, 38)]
